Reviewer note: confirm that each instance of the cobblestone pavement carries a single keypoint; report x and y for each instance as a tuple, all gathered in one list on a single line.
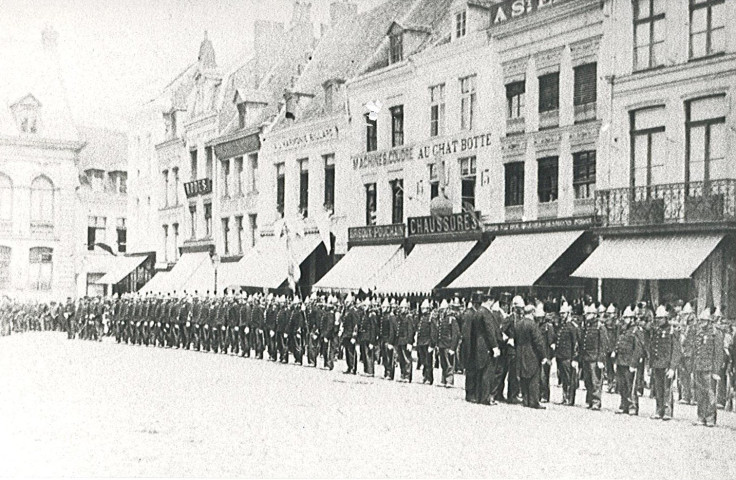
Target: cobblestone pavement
[(102, 409)]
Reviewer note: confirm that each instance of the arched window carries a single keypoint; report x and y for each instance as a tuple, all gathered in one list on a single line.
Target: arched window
[(40, 268), (5, 253), (6, 200), (42, 201)]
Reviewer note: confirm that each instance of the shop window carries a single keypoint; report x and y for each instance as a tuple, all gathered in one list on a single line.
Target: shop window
[(371, 200), (583, 174), (514, 184), (547, 173)]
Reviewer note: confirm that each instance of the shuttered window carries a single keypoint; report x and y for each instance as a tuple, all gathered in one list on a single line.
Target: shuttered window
[(585, 84)]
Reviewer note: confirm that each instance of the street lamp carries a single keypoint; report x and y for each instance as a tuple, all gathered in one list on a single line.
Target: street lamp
[(216, 263)]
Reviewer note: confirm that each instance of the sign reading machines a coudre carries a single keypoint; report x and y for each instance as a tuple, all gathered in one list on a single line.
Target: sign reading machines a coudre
[(444, 224)]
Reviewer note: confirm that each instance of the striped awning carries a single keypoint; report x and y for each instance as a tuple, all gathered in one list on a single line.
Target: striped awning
[(425, 268), (662, 257), (516, 260), (362, 267)]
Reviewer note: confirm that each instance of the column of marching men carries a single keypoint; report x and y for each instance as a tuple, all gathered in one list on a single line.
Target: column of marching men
[(505, 346)]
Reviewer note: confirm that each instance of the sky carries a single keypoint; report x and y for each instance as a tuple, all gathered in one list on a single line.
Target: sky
[(117, 54)]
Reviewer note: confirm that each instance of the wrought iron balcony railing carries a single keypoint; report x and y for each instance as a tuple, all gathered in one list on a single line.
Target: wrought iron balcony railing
[(685, 203)]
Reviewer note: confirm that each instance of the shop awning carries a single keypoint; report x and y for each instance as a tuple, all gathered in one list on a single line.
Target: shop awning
[(157, 283), (669, 257), (362, 267), (268, 265), (425, 267), (516, 260), (121, 268), (193, 272)]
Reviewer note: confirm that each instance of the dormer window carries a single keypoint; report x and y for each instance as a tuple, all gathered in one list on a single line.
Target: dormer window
[(460, 24), (396, 48), (170, 120), (26, 112), (241, 115)]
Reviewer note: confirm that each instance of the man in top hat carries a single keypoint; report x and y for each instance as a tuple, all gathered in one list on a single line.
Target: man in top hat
[(707, 361), (447, 338), (664, 354), (593, 345), (531, 354), (425, 356), (481, 349)]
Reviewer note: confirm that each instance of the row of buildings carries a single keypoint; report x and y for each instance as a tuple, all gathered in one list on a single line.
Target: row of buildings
[(63, 187), (558, 146)]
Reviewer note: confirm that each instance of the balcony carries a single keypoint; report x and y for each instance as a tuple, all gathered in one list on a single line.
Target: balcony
[(585, 112), (675, 203), (549, 119), (515, 126), (41, 229)]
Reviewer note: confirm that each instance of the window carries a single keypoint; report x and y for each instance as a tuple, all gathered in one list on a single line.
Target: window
[(6, 199), (239, 233), (370, 204), (253, 218), (460, 21), (5, 256), (253, 172), (42, 201), (514, 176), (586, 84), (225, 177), (175, 172), (96, 227), (193, 164), (707, 27), (396, 47), (176, 241), (40, 269), (304, 187), (96, 179), (549, 92), (193, 220), (467, 185), (648, 33), (119, 182), (329, 181), (515, 99), (122, 231), (166, 242), (467, 102), (397, 126), (706, 139), (434, 181), (238, 177), (280, 188), (226, 235), (583, 174), (371, 134), (170, 122), (397, 201), (547, 179), (437, 110), (208, 220), (648, 149), (208, 160), (165, 175), (241, 115)]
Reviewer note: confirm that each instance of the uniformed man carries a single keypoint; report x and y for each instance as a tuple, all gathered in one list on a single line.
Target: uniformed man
[(327, 333), (508, 353), (425, 350), (707, 360), (349, 334), (447, 338), (389, 323), (611, 324), (258, 326), (313, 313), (688, 328), (367, 336), (271, 314), (405, 340), (549, 335), (282, 329), (566, 353), (628, 354), (665, 354), (593, 347), (297, 323)]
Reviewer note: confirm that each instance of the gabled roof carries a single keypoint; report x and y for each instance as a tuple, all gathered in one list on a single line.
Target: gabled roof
[(27, 99), (104, 150)]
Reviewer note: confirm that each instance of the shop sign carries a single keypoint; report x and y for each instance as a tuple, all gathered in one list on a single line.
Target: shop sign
[(238, 147), (382, 158), (203, 186), (541, 225), (438, 225), (309, 138), (451, 146), (393, 231), (515, 9)]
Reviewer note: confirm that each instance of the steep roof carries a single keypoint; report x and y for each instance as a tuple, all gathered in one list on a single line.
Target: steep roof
[(342, 52), (34, 70), (104, 150)]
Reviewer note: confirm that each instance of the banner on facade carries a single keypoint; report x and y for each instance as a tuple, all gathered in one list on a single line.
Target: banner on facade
[(305, 139)]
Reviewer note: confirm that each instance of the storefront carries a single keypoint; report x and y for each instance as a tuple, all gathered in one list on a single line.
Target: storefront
[(128, 273)]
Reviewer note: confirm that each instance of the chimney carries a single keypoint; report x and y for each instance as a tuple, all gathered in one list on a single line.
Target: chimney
[(302, 13), (341, 10)]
